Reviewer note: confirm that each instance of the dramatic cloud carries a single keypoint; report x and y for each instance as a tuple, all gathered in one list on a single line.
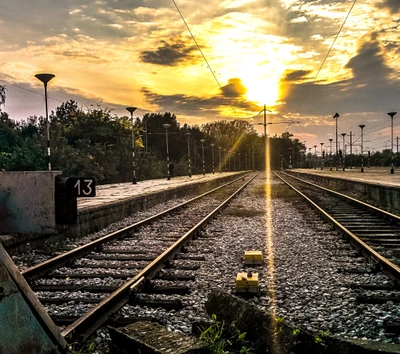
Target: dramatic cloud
[(392, 5), (370, 62), (235, 88), (170, 54)]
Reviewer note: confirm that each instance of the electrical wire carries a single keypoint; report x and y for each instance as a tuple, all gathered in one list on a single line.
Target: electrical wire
[(326, 56), (204, 57)]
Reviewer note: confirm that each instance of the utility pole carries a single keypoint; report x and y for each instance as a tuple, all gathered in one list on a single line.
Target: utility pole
[(351, 150)]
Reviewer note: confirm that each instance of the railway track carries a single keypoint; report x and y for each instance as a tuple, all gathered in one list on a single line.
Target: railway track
[(375, 233), (99, 278)]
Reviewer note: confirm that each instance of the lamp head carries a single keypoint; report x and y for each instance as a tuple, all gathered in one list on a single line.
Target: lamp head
[(362, 126), (131, 109), (202, 140), (166, 125), (392, 114), (336, 115), (45, 78)]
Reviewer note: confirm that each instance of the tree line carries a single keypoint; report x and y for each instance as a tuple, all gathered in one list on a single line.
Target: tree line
[(95, 142)]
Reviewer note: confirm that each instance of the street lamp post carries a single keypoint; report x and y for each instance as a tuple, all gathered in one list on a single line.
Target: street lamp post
[(234, 160), (220, 161), (166, 126), (362, 142), (202, 149), (344, 152), (392, 114), (322, 157), (239, 162), (315, 157), (188, 144), (45, 78), (336, 116), (224, 161), (330, 152), (131, 110), (212, 154)]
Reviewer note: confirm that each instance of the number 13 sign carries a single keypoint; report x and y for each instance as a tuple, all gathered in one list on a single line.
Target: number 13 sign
[(81, 186)]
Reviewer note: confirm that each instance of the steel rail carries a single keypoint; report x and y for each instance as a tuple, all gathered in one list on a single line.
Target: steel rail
[(86, 325), (51, 264), (392, 270)]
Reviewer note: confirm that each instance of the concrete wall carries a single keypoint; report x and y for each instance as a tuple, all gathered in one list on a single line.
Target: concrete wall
[(27, 202)]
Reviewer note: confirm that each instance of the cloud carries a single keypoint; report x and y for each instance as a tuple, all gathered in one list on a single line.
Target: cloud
[(371, 86), (392, 5), (370, 62), (170, 54), (235, 88), (295, 75)]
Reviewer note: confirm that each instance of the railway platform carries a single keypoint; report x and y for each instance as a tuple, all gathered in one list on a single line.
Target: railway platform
[(112, 203), (376, 186), (377, 175)]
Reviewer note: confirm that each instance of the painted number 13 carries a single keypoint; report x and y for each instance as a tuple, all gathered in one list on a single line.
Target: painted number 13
[(87, 189)]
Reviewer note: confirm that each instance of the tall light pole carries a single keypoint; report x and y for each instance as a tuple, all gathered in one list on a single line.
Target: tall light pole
[(220, 161), (322, 157), (202, 149), (344, 152), (212, 154), (392, 114), (315, 157), (131, 110), (330, 152), (224, 161), (234, 160), (362, 126), (336, 116), (166, 126), (45, 78), (188, 144)]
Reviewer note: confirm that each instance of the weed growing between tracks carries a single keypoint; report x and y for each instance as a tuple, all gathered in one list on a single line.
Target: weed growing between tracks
[(222, 340)]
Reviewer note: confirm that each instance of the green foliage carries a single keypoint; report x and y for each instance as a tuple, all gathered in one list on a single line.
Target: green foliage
[(319, 337), (221, 340)]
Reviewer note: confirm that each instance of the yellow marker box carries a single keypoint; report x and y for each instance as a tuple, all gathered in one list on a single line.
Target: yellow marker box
[(253, 257), (247, 283)]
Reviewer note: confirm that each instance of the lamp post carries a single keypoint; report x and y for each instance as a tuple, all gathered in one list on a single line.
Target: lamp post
[(166, 126), (336, 116), (131, 110), (212, 154), (188, 143), (392, 114), (344, 152), (322, 157), (234, 160), (239, 162), (330, 152), (45, 78), (220, 161), (315, 157), (362, 141), (202, 149), (224, 160)]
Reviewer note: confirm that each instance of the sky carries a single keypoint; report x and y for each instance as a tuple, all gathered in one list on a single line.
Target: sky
[(212, 60)]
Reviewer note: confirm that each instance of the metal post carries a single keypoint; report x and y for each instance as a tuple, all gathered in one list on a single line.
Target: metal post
[(224, 161), (344, 153), (131, 110), (336, 115), (45, 78), (239, 164), (212, 154), (220, 161), (322, 157), (202, 148), (351, 150), (362, 144), (392, 114), (166, 126), (330, 152), (188, 144)]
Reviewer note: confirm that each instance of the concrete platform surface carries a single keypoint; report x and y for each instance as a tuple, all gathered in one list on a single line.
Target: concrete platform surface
[(109, 193), (375, 175)]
